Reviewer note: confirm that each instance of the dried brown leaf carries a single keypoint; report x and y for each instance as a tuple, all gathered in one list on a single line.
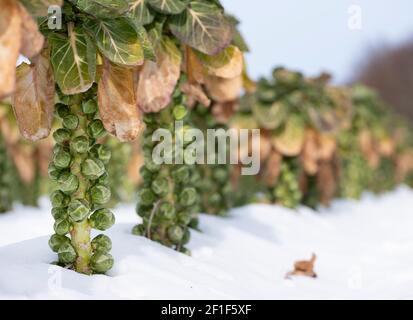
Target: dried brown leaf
[(158, 80), (32, 40), (273, 168), (117, 102), (33, 100), (10, 42), (223, 90), (195, 93)]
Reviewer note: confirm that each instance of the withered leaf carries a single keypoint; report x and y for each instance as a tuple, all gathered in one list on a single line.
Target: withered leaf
[(304, 268), (33, 100), (195, 94), (228, 64), (291, 140), (158, 80), (10, 42), (117, 102), (222, 90), (32, 39), (222, 112)]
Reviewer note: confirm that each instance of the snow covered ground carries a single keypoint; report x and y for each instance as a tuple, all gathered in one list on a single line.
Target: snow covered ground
[(364, 250)]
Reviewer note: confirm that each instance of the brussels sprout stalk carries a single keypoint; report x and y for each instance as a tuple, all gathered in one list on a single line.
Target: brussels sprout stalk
[(168, 201), (82, 189)]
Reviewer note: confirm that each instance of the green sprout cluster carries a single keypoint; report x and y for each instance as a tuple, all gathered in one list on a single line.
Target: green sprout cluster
[(82, 191), (6, 179), (214, 186), (168, 201), (287, 189)]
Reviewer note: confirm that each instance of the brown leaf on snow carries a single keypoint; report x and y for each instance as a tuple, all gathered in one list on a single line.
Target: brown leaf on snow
[(304, 268), (10, 42), (33, 100), (195, 93), (32, 40), (157, 80), (223, 90), (117, 102)]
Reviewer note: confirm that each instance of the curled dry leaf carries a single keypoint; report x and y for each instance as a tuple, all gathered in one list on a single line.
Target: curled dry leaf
[(404, 165), (273, 168), (327, 146), (33, 100), (193, 67), (223, 112), (326, 182), (386, 146), (158, 79), (195, 93), (304, 268), (291, 140), (309, 155), (228, 64), (32, 40), (369, 149), (222, 90), (10, 42), (117, 102)]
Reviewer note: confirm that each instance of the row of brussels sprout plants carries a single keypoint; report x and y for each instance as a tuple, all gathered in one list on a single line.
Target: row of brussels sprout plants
[(98, 87)]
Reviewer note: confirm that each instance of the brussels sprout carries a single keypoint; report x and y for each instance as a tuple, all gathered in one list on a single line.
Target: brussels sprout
[(221, 175), (102, 219), (62, 226), (67, 254), (180, 112), (61, 135), (100, 194), (89, 106), (56, 241), (80, 144), (68, 182), (146, 196), (104, 179), (186, 237), (96, 129), (184, 218), (175, 234), (101, 262), (152, 166), (59, 199), (62, 159), (139, 230), (62, 110), (59, 213), (160, 186), (181, 174), (167, 210), (102, 243), (58, 148), (194, 223), (71, 122), (78, 210), (101, 152), (53, 171), (92, 168), (188, 197)]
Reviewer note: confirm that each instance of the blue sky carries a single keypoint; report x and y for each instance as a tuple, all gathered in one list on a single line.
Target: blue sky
[(313, 35)]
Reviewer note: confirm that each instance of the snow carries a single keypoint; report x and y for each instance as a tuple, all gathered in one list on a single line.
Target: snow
[(364, 250)]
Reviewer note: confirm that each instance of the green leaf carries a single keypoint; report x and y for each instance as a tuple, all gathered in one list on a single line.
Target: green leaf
[(168, 6), (38, 8), (74, 61), (147, 46), (117, 39), (203, 26), (103, 8), (139, 12)]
